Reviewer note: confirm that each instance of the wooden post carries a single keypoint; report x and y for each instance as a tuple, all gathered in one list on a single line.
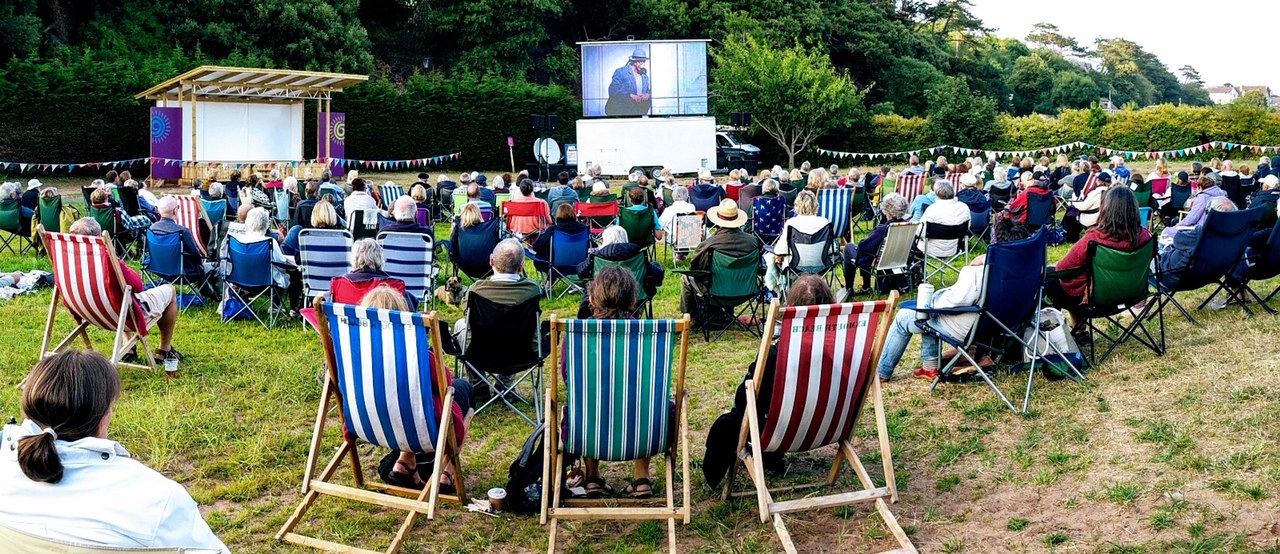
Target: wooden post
[(193, 122), (328, 121), (319, 114)]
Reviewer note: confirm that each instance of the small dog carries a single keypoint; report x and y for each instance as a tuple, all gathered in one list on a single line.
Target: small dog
[(451, 292)]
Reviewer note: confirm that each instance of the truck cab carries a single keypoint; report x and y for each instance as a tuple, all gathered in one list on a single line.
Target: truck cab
[(733, 153)]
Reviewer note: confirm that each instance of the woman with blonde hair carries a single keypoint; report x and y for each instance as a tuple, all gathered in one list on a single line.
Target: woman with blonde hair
[(1161, 171), (805, 221)]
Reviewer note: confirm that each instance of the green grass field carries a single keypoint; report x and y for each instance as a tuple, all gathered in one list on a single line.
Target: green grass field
[(1153, 454)]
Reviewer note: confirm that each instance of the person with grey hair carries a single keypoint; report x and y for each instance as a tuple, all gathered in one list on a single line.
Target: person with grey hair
[(615, 247), (284, 271), (367, 259), (945, 211), (405, 212), (862, 256), (192, 262), (506, 286), (679, 206)]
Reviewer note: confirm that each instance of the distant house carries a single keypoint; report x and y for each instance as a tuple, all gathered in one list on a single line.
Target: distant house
[(1226, 95), (1107, 105)]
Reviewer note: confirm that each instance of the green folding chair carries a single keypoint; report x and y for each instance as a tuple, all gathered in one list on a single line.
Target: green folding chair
[(639, 226), (1115, 281), (14, 229), (50, 213), (638, 265), (734, 292)]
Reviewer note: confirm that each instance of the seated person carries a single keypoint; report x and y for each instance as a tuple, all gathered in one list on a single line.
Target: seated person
[(1175, 256), (487, 193), (562, 192), (1118, 226), (284, 272), (966, 291), (158, 304), (423, 196), (971, 196), (527, 225), (705, 194), (946, 211), (722, 438), (507, 285), (405, 212), (1209, 190), (1268, 194), (135, 225), (863, 255), (322, 216), (64, 480), (367, 260), (1083, 214), (475, 197), (1235, 280), (615, 248), (1168, 210), (1017, 209), (637, 198), (679, 206), (302, 212), (727, 238), (359, 199), (600, 193), (192, 261), (10, 196), (469, 217), (805, 221), (31, 197), (405, 470), (566, 222)]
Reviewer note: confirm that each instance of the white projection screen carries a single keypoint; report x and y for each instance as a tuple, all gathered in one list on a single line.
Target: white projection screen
[(243, 132)]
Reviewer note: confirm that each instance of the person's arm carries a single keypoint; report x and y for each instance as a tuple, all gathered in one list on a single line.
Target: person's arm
[(964, 292), (1198, 208), (619, 85), (1075, 256), (182, 526)]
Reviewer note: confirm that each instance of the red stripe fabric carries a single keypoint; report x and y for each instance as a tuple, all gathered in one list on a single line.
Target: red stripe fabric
[(90, 288), (189, 216)]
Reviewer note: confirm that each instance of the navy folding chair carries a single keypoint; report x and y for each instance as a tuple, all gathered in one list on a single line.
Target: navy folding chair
[(1259, 265), (165, 262), (473, 245), (1221, 244), (767, 216), (248, 281), (1041, 209), (566, 252)]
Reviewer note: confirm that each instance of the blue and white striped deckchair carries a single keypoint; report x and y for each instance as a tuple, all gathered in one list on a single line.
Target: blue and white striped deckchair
[(409, 259), (390, 193), (391, 389), (837, 206), (619, 379), (323, 255)]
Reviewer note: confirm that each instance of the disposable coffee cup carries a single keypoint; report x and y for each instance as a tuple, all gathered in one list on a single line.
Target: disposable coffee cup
[(171, 366), (497, 496)]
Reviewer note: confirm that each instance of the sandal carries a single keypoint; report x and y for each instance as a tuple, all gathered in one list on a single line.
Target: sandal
[(387, 471), (633, 489), (597, 487), (446, 483)]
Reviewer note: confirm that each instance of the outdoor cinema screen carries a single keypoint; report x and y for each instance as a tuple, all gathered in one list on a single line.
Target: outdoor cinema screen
[(644, 78)]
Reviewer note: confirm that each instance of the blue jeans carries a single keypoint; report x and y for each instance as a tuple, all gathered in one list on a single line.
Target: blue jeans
[(895, 345)]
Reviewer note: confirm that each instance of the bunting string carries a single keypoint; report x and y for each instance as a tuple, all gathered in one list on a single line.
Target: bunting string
[(1216, 145), (346, 163)]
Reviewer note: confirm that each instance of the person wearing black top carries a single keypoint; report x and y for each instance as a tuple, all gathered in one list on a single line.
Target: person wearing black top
[(566, 222)]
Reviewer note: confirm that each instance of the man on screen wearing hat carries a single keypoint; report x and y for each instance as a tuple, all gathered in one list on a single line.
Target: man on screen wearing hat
[(728, 239), (629, 92)]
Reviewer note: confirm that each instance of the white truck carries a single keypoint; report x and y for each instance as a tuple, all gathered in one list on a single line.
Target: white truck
[(623, 145)]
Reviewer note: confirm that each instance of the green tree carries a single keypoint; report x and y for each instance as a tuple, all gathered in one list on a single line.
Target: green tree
[(1195, 95), (1253, 98), (1073, 90), (794, 94), (19, 29), (1031, 81), (905, 82), (957, 116), (1047, 35), (1190, 75), (1139, 76)]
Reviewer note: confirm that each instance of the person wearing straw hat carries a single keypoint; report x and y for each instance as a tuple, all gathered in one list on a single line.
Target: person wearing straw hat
[(728, 239), (629, 91)]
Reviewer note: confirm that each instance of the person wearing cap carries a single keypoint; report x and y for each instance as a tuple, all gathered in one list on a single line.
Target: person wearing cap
[(1086, 210), (629, 92), (486, 193), (728, 239), (424, 179), (971, 196), (1269, 194)]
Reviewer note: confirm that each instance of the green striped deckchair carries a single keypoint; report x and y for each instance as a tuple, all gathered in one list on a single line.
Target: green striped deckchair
[(619, 379)]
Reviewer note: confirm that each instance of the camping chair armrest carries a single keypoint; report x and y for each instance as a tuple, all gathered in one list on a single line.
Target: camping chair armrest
[(1065, 273), (911, 305)]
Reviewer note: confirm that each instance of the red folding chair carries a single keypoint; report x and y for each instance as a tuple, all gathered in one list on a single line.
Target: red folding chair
[(522, 218), (598, 215), (346, 291), (826, 366), (89, 284), (910, 186), (190, 212)]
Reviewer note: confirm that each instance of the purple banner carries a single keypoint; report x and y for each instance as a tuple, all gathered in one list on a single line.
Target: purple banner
[(166, 142), (336, 139)]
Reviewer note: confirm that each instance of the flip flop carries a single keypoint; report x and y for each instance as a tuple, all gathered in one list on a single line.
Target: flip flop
[(633, 489)]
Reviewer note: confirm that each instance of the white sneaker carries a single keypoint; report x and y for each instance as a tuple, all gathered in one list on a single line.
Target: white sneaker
[(1218, 304)]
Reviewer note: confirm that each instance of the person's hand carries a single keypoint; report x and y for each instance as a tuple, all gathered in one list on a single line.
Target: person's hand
[(637, 97)]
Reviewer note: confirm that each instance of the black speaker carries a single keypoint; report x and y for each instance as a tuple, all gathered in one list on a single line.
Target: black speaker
[(539, 122), (735, 119), (553, 121), (746, 119)]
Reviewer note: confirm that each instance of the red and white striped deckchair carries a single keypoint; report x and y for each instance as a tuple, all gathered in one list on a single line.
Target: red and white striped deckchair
[(190, 212), (826, 362), (88, 281), (910, 186), (954, 178)]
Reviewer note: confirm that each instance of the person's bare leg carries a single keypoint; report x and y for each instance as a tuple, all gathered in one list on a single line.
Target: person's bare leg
[(167, 323)]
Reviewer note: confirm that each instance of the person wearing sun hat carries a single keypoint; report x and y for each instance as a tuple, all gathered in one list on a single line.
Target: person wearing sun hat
[(629, 90), (31, 198), (728, 239)]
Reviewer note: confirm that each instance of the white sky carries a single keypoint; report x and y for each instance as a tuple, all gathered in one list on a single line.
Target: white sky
[(1223, 41)]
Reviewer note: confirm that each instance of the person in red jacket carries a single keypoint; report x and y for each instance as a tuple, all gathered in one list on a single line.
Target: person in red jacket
[(1032, 185)]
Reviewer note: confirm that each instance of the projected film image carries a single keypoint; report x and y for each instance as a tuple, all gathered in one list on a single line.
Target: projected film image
[(644, 78)]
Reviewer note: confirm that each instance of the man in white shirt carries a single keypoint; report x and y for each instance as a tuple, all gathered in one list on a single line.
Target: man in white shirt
[(359, 199), (946, 210), (679, 206)]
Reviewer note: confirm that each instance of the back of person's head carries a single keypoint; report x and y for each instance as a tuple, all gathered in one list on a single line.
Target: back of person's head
[(944, 190), (1222, 204), (131, 184), (85, 226), (125, 175), (168, 206), (254, 179), (257, 221), (357, 185), (235, 175), (507, 256), (810, 290), (804, 166), (69, 395), (353, 175), (49, 192), (98, 196), (367, 255), (526, 187), (313, 189), (613, 234), (404, 209), (473, 191), (418, 193), (217, 191), (806, 203), (384, 297), (679, 194), (894, 206), (914, 160), (275, 175), (242, 214), (565, 213), (769, 186), (470, 216), (324, 215), (112, 176), (636, 196), (1008, 229), (562, 177), (290, 183), (10, 190), (613, 293), (1118, 216)]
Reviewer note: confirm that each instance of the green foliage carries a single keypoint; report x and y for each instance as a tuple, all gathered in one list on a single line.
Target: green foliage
[(793, 94), (1073, 90), (1032, 81), (19, 29), (907, 80), (957, 116)]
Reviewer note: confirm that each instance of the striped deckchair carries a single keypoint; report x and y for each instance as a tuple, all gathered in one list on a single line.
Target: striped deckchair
[(322, 255), (390, 387), (410, 259), (190, 212), (954, 178), (390, 193), (826, 360), (910, 186), (88, 281), (837, 206), (619, 379)]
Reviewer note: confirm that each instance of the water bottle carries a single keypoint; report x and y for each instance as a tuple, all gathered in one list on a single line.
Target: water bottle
[(924, 300)]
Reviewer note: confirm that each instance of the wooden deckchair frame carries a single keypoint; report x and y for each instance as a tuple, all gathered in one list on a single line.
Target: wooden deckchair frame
[(657, 508), (124, 339), (389, 496), (750, 455)]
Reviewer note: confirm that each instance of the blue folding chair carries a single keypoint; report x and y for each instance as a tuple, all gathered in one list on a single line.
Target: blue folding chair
[(471, 248), (409, 259), (837, 206), (217, 211), (1260, 264), (704, 197), (388, 382), (248, 281), (165, 262), (1221, 244), (567, 251), (323, 255), (1010, 301), (768, 213), (1041, 209)]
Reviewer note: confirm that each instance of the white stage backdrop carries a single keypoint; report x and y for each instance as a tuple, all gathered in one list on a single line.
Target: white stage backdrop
[(243, 132)]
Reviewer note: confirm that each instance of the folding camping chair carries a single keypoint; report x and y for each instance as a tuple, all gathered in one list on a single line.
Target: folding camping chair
[(408, 408), (536, 211), (247, 279), (165, 262), (638, 266), (979, 228), (814, 254), (410, 259), (1231, 185), (567, 250), (896, 260), (639, 226), (1259, 265), (734, 292), (50, 214), (470, 250), (1041, 210), (1221, 244), (109, 219), (363, 224), (390, 193), (597, 215), (937, 232), (89, 284), (1116, 280), (16, 228), (217, 212), (837, 345), (910, 186), (502, 349), (837, 206), (600, 359), (687, 233), (768, 214), (1010, 301)]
